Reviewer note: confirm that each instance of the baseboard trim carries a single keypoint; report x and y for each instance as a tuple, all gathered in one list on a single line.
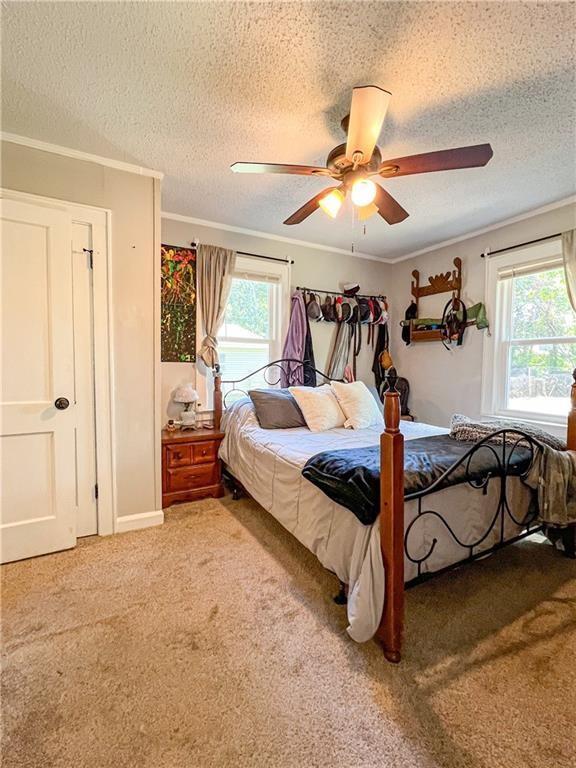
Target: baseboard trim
[(140, 520)]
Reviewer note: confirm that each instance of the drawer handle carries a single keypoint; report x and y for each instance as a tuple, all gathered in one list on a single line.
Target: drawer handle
[(177, 455)]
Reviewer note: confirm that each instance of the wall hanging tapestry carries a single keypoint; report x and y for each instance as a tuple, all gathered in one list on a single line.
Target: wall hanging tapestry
[(178, 302)]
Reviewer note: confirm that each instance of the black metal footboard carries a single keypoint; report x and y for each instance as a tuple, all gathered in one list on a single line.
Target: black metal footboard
[(515, 454)]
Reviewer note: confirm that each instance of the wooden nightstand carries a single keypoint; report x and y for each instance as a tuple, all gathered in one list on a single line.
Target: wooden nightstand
[(190, 466)]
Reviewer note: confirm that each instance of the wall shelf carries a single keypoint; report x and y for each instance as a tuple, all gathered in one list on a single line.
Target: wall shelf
[(445, 282)]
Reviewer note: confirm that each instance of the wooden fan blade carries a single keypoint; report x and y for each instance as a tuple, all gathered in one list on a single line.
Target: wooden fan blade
[(300, 170), (388, 208), (367, 113), (309, 207), (444, 160)]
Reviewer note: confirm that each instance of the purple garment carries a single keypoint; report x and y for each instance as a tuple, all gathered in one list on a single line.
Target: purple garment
[(293, 374)]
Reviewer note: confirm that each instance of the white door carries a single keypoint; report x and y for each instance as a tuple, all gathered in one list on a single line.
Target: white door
[(40, 438)]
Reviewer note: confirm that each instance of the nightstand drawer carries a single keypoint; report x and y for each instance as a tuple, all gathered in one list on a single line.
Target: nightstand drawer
[(184, 478), (190, 465), (179, 455), (204, 453)]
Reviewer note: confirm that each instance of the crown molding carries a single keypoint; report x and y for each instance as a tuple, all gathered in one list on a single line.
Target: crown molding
[(268, 236), (571, 200), (77, 154)]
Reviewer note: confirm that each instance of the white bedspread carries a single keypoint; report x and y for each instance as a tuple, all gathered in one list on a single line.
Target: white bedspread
[(268, 463)]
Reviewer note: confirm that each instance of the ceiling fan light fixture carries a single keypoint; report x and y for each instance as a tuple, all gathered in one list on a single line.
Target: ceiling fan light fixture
[(331, 203), (363, 192)]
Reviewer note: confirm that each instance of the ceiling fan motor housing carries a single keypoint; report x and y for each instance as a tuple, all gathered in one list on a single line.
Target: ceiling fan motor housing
[(338, 163)]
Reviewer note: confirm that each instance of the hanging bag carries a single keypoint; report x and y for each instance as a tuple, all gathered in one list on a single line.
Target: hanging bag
[(452, 326), (313, 308), (338, 308), (364, 315), (346, 310), (384, 307), (328, 310), (409, 315)]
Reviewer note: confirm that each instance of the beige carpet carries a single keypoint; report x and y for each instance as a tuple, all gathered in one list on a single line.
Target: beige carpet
[(213, 641)]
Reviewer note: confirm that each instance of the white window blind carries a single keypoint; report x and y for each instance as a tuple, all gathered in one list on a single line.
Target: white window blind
[(532, 268)]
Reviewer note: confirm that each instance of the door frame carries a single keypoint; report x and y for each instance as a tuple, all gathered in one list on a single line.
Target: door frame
[(100, 220)]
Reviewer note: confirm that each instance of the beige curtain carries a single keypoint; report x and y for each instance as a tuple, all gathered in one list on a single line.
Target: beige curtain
[(215, 266), (569, 254)]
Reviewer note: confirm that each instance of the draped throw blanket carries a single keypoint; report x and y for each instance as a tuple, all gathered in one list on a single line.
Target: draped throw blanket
[(554, 479), (569, 256), (351, 476), (463, 428), (214, 266), (553, 474)]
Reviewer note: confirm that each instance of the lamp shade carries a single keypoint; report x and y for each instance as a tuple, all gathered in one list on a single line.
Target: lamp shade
[(185, 394)]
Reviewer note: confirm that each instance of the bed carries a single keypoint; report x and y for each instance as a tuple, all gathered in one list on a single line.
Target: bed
[(431, 530)]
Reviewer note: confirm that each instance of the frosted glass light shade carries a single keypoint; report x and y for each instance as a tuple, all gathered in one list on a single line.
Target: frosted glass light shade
[(366, 211), (185, 394), (331, 203), (363, 192)]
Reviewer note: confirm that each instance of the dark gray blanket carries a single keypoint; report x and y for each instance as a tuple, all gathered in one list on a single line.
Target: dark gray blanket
[(351, 476)]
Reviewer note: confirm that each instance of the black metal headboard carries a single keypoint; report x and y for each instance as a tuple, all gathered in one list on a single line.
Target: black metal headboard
[(287, 371)]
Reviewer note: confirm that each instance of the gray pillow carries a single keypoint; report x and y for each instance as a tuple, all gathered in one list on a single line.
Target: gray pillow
[(374, 392), (276, 409)]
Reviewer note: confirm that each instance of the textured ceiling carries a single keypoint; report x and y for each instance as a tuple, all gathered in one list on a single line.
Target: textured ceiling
[(189, 88)]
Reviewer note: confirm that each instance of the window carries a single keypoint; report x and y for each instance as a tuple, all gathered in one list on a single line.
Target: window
[(532, 351), (252, 332)]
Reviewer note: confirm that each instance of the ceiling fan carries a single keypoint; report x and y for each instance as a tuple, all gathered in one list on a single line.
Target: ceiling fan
[(353, 163)]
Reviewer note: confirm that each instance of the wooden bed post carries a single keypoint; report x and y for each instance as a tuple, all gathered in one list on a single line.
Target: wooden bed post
[(392, 524), (571, 437), (217, 396)]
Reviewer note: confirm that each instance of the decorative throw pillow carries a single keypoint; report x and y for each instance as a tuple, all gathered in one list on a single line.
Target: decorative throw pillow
[(319, 407), (358, 404), (276, 409)]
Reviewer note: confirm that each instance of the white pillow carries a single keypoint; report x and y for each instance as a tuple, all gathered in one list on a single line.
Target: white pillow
[(358, 404), (319, 407)]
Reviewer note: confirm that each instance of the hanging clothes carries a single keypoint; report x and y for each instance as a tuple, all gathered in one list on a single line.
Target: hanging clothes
[(298, 346), (382, 342), (410, 314), (309, 370), (340, 351)]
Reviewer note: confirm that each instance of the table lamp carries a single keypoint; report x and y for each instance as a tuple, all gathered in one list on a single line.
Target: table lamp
[(187, 395)]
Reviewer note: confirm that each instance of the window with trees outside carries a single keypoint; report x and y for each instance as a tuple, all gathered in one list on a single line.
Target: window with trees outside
[(532, 349), (251, 333)]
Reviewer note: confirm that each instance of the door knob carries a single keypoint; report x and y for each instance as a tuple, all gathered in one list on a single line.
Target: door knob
[(61, 403)]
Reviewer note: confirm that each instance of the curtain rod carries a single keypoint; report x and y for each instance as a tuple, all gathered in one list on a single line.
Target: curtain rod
[(194, 244), (268, 258), (341, 293), (520, 245)]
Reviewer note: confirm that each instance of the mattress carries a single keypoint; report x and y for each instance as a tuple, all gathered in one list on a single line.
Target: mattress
[(269, 465)]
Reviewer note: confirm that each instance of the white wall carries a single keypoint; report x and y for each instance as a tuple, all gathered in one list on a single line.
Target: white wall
[(445, 382), (134, 202), (312, 268)]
